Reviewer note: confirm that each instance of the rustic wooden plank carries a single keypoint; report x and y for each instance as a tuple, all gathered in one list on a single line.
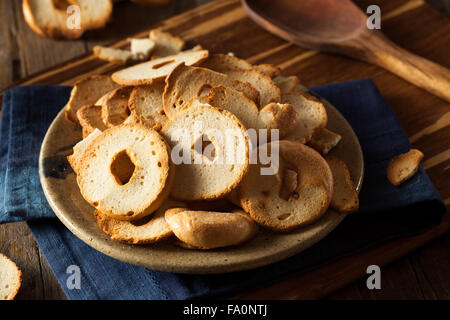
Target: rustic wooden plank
[(9, 57), (16, 242), (321, 282), (430, 275), (129, 19), (38, 53)]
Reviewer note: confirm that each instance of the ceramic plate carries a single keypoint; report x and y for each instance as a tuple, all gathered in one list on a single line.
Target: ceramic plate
[(60, 187)]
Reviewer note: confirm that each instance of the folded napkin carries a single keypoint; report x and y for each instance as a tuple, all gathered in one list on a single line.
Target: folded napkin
[(386, 211)]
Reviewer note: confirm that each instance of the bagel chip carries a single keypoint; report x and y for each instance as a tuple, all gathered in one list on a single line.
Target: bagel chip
[(87, 91), (185, 83), (150, 229), (404, 166), (311, 114), (323, 140), (157, 69), (345, 196), (211, 151), (287, 84), (297, 194), (146, 105), (90, 118), (208, 230), (10, 278), (126, 172)]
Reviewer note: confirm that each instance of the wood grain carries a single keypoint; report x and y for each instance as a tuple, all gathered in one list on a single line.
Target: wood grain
[(415, 27), (346, 33)]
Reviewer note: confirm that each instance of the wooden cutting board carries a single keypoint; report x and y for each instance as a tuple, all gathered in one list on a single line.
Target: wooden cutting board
[(222, 26)]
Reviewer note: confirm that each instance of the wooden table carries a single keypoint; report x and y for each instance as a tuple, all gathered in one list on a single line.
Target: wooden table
[(422, 274)]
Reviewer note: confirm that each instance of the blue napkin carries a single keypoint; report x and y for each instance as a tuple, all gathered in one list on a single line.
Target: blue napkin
[(386, 212)]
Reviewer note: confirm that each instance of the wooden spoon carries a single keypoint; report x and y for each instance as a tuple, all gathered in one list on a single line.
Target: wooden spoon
[(339, 26)]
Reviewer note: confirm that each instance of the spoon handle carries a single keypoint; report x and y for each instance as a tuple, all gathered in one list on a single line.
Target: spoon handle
[(378, 49)]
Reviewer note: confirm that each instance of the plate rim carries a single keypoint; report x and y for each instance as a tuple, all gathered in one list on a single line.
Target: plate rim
[(195, 268)]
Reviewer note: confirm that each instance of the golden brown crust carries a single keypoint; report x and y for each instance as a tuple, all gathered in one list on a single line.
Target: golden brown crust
[(117, 56), (404, 166), (90, 118), (311, 112), (166, 43), (106, 192), (287, 84), (150, 229), (345, 196), (18, 279), (157, 69), (263, 196), (204, 171), (268, 69), (52, 21), (146, 105), (208, 230), (87, 91), (323, 140), (187, 82), (115, 106)]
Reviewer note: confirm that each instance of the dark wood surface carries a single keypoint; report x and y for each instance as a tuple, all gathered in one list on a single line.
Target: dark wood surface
[(424, 273), (346, 33)]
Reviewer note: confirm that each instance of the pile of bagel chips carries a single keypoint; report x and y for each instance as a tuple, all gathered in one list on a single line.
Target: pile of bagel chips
[(203, 148)]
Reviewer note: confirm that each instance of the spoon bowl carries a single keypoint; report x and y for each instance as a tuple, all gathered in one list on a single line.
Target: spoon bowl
[(339, 26)]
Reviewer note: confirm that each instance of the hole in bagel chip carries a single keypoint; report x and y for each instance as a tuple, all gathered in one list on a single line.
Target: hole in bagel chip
[(122, 167)]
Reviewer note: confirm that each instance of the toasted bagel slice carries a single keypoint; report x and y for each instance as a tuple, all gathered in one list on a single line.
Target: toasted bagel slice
[(299, 193), (323, 140), (404, 166), (150, 229), (113, 55), (90, 118), (166, 44), (87, 91), (238, 69), (115, 106), (345, 197), (79, 149), (146, 105), (141, 49), (224, 62), (273, 116), (287, 84), (185, 83), (210, 148), (50, 18), (157, 69), (209, 230), (268, 69), (267, 89), (10, 278), (126, 172), (311, 114)]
